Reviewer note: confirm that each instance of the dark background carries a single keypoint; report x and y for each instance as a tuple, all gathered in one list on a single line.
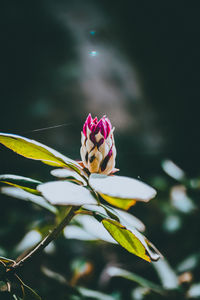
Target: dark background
[(138, 62)]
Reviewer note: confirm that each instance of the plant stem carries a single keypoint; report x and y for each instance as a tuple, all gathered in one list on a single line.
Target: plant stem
[(70, 213)]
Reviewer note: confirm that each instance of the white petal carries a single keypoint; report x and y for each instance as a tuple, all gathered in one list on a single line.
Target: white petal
[(89, 145), (88, 132), (109, 141), (83, 152), (95, 164), (110, 165), (104, 149), (83, 138), (98, 136)]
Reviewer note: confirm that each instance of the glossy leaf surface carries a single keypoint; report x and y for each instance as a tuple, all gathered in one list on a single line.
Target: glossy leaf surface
[(121, 191), (66, 193)]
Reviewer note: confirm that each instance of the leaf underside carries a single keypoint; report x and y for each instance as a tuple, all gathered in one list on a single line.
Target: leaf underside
[(119, 202)]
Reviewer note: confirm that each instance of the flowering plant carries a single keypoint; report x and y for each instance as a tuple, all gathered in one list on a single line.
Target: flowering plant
[(85, 188)]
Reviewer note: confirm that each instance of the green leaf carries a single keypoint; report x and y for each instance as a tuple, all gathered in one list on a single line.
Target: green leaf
[(168, 277), (23, 195), (128, 220), (132, 242), (37, 151), (91, 294), (68, 174), (121, 191), (93, 230), (123, 217), (66, 193), (24, 183), (118, 272), (111, 212)]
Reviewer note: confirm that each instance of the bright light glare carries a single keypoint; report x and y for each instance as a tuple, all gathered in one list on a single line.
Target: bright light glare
[(93, 53)]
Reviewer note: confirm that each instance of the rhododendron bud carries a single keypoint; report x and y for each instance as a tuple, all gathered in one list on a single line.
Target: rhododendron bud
[(98, 150)]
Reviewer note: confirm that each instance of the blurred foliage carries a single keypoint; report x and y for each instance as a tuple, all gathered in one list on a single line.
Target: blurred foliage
[(45, 82)]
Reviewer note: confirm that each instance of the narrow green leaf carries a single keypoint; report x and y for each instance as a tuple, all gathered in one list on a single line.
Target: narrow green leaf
[(37, 151), (121, 191), (91, 294), (68, 174), (118, 272), (66, 193), (24, 183)]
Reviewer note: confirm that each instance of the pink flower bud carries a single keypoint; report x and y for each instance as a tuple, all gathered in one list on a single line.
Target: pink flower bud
[(98, 150)]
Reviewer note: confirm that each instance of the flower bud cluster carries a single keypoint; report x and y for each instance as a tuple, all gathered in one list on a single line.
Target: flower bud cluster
[(98, 150)]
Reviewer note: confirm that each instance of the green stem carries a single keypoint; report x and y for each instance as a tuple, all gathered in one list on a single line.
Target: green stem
[(70, 213)]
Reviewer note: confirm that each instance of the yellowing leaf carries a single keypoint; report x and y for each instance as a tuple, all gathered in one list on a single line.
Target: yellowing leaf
[(37, 151), (126, 238), (119, 202), (134, 243)]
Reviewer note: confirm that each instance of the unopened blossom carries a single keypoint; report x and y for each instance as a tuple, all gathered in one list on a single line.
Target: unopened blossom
[(98, 150)]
